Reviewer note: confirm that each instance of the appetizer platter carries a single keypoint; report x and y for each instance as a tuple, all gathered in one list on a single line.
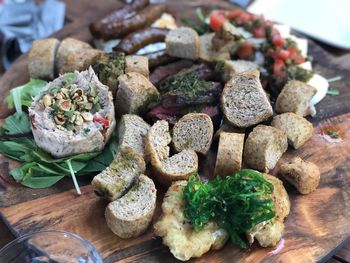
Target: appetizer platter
[(189, 131)]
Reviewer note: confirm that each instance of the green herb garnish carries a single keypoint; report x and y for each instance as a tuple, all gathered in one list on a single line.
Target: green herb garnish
[(330, 80), (202, 27), (237, 203), (333, 92)]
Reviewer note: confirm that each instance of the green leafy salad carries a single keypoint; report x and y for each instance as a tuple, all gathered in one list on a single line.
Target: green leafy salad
[(37, 168), (237, 203)]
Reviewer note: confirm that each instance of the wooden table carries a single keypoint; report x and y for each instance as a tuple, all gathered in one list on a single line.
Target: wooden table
[(81, 12)]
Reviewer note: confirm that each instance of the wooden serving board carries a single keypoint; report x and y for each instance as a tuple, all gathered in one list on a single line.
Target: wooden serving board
[(318, 222)]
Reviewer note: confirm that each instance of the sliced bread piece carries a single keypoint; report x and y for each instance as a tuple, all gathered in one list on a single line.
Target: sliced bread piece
[(244, 101), (193, 131), (117, 178), (264, 147), (226, 127), (138, 64), (295, 97), (157, 143), (207, 53), (177, 167), (131, 215), (229, 156), (305, 176), (74, 49), (298, 129), (183, 42), (229, 68), (132, 130), (42, 55), (134, 94), (81, 60)]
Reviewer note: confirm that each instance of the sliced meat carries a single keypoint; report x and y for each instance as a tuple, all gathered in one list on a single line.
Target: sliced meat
[(201, 71), (172, 114), (163, 72), (207, 95)]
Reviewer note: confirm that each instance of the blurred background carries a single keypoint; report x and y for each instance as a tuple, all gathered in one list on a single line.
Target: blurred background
[(23, 21)]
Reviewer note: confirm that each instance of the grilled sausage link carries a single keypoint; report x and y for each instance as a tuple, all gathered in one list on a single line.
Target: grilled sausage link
[(137, 40), (142, 19), (128, 11)]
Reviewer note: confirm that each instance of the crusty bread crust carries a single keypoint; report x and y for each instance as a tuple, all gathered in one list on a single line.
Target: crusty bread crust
[(305, 176), (134, 94), (232, 67), (132, 131), (183, 42), (42, 55), (295, 97), (117, 178), (69, 46), (229, 156), (137, 64), (298, 129), (131, 215), (264, 147)]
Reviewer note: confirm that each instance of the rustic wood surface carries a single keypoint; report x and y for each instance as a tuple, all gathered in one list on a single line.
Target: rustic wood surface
[(318, 223)]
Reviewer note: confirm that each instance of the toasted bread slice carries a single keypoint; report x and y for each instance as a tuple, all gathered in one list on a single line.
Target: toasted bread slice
[(130, 215), (183, 42), (207, 53), (177, 167), (264, 147), (73, 54), (244, 101), (78, 61), (295, 97), (229, 156), (231, 67), (193, 131), (132, 130), (134, 94), (117, 178), (42, 56), (298, 129), (305, 176), (137, 64)]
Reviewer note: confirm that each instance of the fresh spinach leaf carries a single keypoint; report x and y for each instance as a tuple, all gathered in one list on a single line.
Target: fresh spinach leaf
[(25, 93), (17, 123)]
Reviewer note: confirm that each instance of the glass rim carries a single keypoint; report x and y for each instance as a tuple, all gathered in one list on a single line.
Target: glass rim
[(88, 245)]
